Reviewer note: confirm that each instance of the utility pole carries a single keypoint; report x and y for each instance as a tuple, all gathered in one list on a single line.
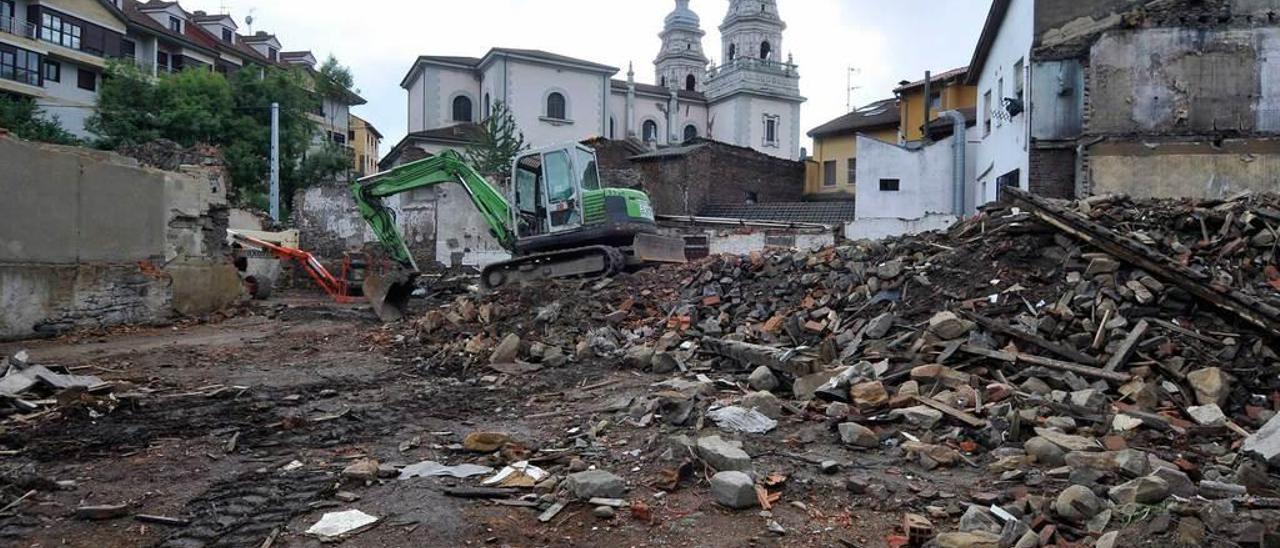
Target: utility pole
[(850, 88), (275, 162)]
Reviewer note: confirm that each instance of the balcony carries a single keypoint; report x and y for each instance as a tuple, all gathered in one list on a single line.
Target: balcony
[(16, 27)]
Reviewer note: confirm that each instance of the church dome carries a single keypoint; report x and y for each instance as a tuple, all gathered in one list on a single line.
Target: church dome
[(683, 16)]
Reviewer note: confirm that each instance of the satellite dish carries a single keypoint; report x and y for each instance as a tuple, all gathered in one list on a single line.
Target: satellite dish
[(248, 20)]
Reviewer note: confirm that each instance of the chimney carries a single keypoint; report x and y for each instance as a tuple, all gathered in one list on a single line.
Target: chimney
[(928, 94)]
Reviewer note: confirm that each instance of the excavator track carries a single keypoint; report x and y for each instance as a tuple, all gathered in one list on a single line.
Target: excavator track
[(583, 262)]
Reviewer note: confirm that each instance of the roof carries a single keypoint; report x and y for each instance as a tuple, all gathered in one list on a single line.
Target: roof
[(368, 126), (995, 18), (551, 57), (659, 90), (457, 134), (941, 78), (192, 35), (880, 114), (452, 60), (827, 213)]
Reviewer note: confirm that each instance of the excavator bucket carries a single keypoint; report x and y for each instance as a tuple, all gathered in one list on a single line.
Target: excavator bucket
[(389, 291), (656, 248)]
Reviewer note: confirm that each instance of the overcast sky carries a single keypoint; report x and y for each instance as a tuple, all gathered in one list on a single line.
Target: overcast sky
[(887, 40)]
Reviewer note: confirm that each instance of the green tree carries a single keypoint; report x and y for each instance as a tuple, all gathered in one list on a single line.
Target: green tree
[(127, 108), (500, 140), (23, 118), (195, 106)]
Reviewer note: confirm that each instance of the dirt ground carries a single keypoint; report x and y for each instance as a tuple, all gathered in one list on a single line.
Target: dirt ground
[(307, 381)]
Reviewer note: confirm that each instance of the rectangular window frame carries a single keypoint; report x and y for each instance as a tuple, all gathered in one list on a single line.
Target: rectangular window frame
[(228, 36), (890, 185), (1019, 78), (852, 168), (12, 10), (999, 99), (164, 61), (829, 174), (175, 24), (771, 123), (986, 114), (56, 30), (89, 76), (52, 71)]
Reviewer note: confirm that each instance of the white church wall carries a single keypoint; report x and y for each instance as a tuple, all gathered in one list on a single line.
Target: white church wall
[(417, 104), (454, 83), (528, 87), (696, 114), (649, 107), (618, 115)]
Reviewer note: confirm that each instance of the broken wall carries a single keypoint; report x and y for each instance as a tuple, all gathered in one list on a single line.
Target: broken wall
[(717, 173), (1197, 169), (91, 239)]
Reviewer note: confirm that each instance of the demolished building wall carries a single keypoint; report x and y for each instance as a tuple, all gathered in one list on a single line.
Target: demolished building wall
[(684, 180), (92, 239)]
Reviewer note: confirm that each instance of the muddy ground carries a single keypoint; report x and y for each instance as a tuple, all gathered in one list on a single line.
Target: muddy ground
[(325, 385)]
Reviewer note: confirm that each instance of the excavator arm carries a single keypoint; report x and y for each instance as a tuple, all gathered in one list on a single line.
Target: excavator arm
[(389, 292)]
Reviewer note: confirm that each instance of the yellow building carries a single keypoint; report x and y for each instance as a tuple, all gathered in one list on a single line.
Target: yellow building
[(947, 91), (364, 140), (831, 173)]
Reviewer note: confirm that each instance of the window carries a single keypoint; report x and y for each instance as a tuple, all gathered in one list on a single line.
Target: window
[(1018, 78), (935, 101), (765, 50), (175, 24), (890, 185), (488, 105), (650, 131), (87, 80), (338, 138), (20, 65), (690, 83), (6, 14), (986, 114), (1000, 97), (128, 49), (663, 82), (853, 171), (52, 71), (462, 109), (733, 51), (162, 61), (829, 173), (611, 128), (770, 131), (54, 29), (228, 36), (586, 163), (273, 54), (690, 133), (556, 108)]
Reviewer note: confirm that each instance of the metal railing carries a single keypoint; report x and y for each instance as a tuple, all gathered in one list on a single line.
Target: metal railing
[(10, 25)]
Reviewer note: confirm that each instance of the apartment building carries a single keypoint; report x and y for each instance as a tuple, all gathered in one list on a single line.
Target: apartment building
[(56, 51)]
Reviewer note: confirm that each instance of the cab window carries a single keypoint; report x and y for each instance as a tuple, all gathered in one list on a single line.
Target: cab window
[(590, 174)]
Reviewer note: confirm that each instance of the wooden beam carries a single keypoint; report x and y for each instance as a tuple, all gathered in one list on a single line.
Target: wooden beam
[(786, 361), (1031, 338), (1077, 368), (1125, 351), (962, 416)]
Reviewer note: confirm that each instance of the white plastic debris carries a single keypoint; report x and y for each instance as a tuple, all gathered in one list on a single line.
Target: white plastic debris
[(741, 419), (520, 473), (428, 468), (336, 524), (293, 465)]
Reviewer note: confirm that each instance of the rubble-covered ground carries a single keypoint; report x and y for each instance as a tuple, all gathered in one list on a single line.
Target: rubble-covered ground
[(1097, 373)]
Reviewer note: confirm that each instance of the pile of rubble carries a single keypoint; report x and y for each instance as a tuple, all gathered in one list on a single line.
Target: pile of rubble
[(1108, 360)]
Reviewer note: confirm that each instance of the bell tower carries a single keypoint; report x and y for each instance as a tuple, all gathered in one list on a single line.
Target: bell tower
[(681, 64)]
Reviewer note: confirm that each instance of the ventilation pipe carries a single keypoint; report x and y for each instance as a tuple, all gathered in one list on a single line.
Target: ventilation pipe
[(928, 94), (958, 142)]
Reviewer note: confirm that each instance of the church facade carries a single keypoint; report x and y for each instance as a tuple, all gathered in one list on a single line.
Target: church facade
[(751, 98)]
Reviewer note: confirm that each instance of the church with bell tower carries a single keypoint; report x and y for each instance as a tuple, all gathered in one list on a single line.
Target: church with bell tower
[(750, 97)]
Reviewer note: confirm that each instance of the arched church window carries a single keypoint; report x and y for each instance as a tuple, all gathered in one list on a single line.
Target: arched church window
[(690, 133), (556, 106), (691, 83), (733, 51), (663, 82), (765, 50), (650, 131), (462, 108)]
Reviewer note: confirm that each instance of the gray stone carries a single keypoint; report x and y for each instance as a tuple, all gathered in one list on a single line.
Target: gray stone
[(1179, 483), (967, 540), (978, 519), (1265, 443), (1207, 415), (1045, 451), (879, 326), (1107, 540), (1217, 490), (1144, 490), (1089, 399), (1065, 424), (1068, 441), (1078, 503), (919, 416), (723, 455), (857, 435), (1210, 384), (838, 409), (765, 402), (604, 512), (1133, 463), (1029, 540), (638, 357), (507, 351), (1102, 265), (596, 483), (1036, 386), (947, 326), (734, 489), (663, 363), (889, 270), (763, 379)]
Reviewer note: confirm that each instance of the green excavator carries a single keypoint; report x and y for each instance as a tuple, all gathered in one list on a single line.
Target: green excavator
[(558, 221)]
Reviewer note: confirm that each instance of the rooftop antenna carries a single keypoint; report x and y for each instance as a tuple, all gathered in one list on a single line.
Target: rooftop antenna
[(222, 8), (848, 98)]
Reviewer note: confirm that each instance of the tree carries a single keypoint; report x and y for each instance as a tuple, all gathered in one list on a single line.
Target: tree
[(23, 118), (500, 140), (127, 108), (195, 106)]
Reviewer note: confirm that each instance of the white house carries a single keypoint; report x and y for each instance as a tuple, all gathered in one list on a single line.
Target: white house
[(751, 99), (999, 69)]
